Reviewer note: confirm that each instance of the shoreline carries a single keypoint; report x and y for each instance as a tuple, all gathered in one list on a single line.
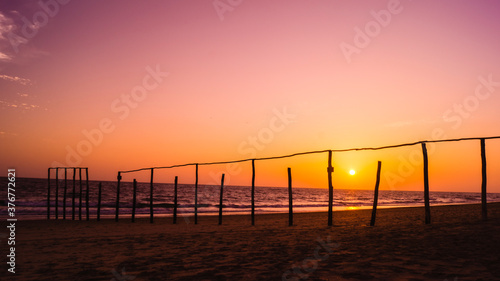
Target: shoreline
[(284, 210)]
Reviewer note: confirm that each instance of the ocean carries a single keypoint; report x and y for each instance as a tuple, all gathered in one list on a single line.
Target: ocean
[(31, 199)]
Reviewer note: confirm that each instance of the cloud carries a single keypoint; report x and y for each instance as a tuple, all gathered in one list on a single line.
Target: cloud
[(4, 134), (22, 81), (7, 25), (10, 40), (4, 57), (20, 105), (20, 101)]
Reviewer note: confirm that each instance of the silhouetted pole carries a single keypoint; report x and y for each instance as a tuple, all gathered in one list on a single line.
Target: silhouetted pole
[(426, 185), (48, 194), (87, 194), (65, 191), (81, 193), (57, 193), (330, 189), (134, 200), (196, 197), (483, 183), (175, 200), (73, 195), (290, 200), (151, 198), (117, 212), (99, 203), (220, 201), (253, 191), (375, 196)]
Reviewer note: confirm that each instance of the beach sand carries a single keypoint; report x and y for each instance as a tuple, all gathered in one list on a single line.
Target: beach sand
[(458, 245)]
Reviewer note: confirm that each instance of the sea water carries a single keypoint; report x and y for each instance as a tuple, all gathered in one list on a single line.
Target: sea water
[(31, 199)]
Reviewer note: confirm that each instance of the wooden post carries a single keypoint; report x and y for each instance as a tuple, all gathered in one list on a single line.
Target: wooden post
[(65, 191), (175, 200), (99, 203), (220, 201), (426, 185), (484, 209), (196, 197), (73, 195), (375, 196), (87, 193), (151, 198), (330, 189), (253, 191), (290, 199), (57, 193), (117, 212), (48, 194), (134, 200), (81, 193)]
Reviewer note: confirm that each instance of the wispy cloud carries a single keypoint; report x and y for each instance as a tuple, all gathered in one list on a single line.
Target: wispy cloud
[(20, 101), (4, 57), (20, 105), (4, 134), (11, 39), (6, 26), (22, 81)]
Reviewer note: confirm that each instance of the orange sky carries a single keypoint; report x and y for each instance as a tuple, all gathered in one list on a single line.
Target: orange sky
[(119, 85)]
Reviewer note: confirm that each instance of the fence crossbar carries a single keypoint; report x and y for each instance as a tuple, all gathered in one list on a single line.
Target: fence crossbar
[(310, 152)]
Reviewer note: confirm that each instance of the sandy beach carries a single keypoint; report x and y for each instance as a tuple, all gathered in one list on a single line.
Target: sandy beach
[(458, 245)]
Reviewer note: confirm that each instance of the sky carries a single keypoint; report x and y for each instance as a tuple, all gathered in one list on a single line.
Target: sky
[(120, 85)]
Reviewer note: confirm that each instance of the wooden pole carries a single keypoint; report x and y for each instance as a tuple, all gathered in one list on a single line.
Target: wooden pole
[(73, 195), (426, 185), (196, 197), (99, 203), (375, 196), (117, 212), (484, 209), (151, 198), (220, 201), (134, 200), (57, 193), (290, 199), (330, 189), (48, 194), (253, 191), (65, 191), (81, 193), (175, 200), (87, 193)]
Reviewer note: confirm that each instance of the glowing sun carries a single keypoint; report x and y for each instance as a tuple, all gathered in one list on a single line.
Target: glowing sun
[(352, 172)]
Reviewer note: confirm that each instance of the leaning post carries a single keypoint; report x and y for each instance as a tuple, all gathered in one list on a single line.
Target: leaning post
[(375, 196), (426, 185)]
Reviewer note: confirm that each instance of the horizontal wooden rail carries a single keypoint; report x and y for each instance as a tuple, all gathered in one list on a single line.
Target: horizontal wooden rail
[(309, 152)]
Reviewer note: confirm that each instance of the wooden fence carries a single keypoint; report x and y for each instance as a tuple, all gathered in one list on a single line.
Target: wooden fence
[(330, 171)]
